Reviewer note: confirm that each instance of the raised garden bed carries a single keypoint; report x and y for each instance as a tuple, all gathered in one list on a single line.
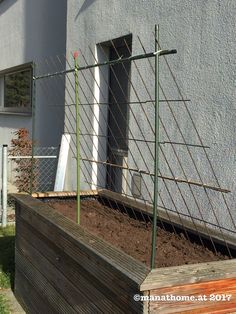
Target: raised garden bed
[(133, 236), (63, 268)]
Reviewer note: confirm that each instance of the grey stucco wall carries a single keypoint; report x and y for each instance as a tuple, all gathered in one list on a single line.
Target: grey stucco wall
[(32, 31), (203, 32)]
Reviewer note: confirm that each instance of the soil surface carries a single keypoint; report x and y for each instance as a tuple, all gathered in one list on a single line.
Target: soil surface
[(133, 236)]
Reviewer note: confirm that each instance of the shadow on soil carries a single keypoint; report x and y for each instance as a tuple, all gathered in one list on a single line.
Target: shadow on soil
[(7, 261)]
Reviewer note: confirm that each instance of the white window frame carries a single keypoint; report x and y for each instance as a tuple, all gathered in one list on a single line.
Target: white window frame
[(15, 110)]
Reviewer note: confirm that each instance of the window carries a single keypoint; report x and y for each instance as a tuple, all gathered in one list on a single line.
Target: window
[(16, 90)]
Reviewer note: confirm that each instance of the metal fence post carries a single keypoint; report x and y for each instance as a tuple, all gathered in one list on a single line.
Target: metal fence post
[(4, 185)]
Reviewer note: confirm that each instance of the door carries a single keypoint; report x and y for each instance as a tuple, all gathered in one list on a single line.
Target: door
[(118, 120)]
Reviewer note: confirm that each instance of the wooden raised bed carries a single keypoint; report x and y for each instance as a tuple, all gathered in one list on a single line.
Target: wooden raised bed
[(61, 268)]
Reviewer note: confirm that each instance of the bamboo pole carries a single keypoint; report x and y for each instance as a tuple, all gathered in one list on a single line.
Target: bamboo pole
[(59, 194), (175, 179)]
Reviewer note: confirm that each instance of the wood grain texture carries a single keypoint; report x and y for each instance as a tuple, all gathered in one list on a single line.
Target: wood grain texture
[(187, 274), (56, 256), (207, 290), (41, 285), (54, 265), (30, 298), (63, 194), (70, 237), (73, 271)]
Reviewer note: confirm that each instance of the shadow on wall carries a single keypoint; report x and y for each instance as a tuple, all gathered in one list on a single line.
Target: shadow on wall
[(45, 28), (84, 7), (5, 5), (44, 40)]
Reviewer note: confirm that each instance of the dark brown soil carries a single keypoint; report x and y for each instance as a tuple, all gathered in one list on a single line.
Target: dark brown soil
[(134, 237)]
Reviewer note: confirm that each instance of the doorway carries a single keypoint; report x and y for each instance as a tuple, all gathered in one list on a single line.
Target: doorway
[(118, 115)]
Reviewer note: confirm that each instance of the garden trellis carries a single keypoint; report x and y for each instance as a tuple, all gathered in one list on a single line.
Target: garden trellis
[(122, 141)]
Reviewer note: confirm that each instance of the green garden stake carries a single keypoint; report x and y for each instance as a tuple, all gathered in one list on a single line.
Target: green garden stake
[(32, 174), (158, 53), (156, 161), (75, 55)]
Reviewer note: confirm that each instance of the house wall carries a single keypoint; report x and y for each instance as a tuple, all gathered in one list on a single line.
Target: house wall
[(204, 68), (31, 31)]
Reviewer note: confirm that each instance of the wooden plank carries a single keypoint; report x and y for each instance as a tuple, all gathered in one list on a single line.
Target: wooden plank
[(59, 265), (31, 301), (41, 285), (129, 202), (111, 267), (77, 275), (64, 194), (208, 290), (110, 276), (61, 230), (75, 297), (120, 274), (170, 218), (187, 274)]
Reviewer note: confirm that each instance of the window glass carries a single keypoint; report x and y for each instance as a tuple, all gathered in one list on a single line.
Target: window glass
[(17, 89)]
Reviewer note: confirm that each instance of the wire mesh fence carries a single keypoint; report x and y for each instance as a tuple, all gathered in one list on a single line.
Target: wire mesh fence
[(136, 146), (26, 174)]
